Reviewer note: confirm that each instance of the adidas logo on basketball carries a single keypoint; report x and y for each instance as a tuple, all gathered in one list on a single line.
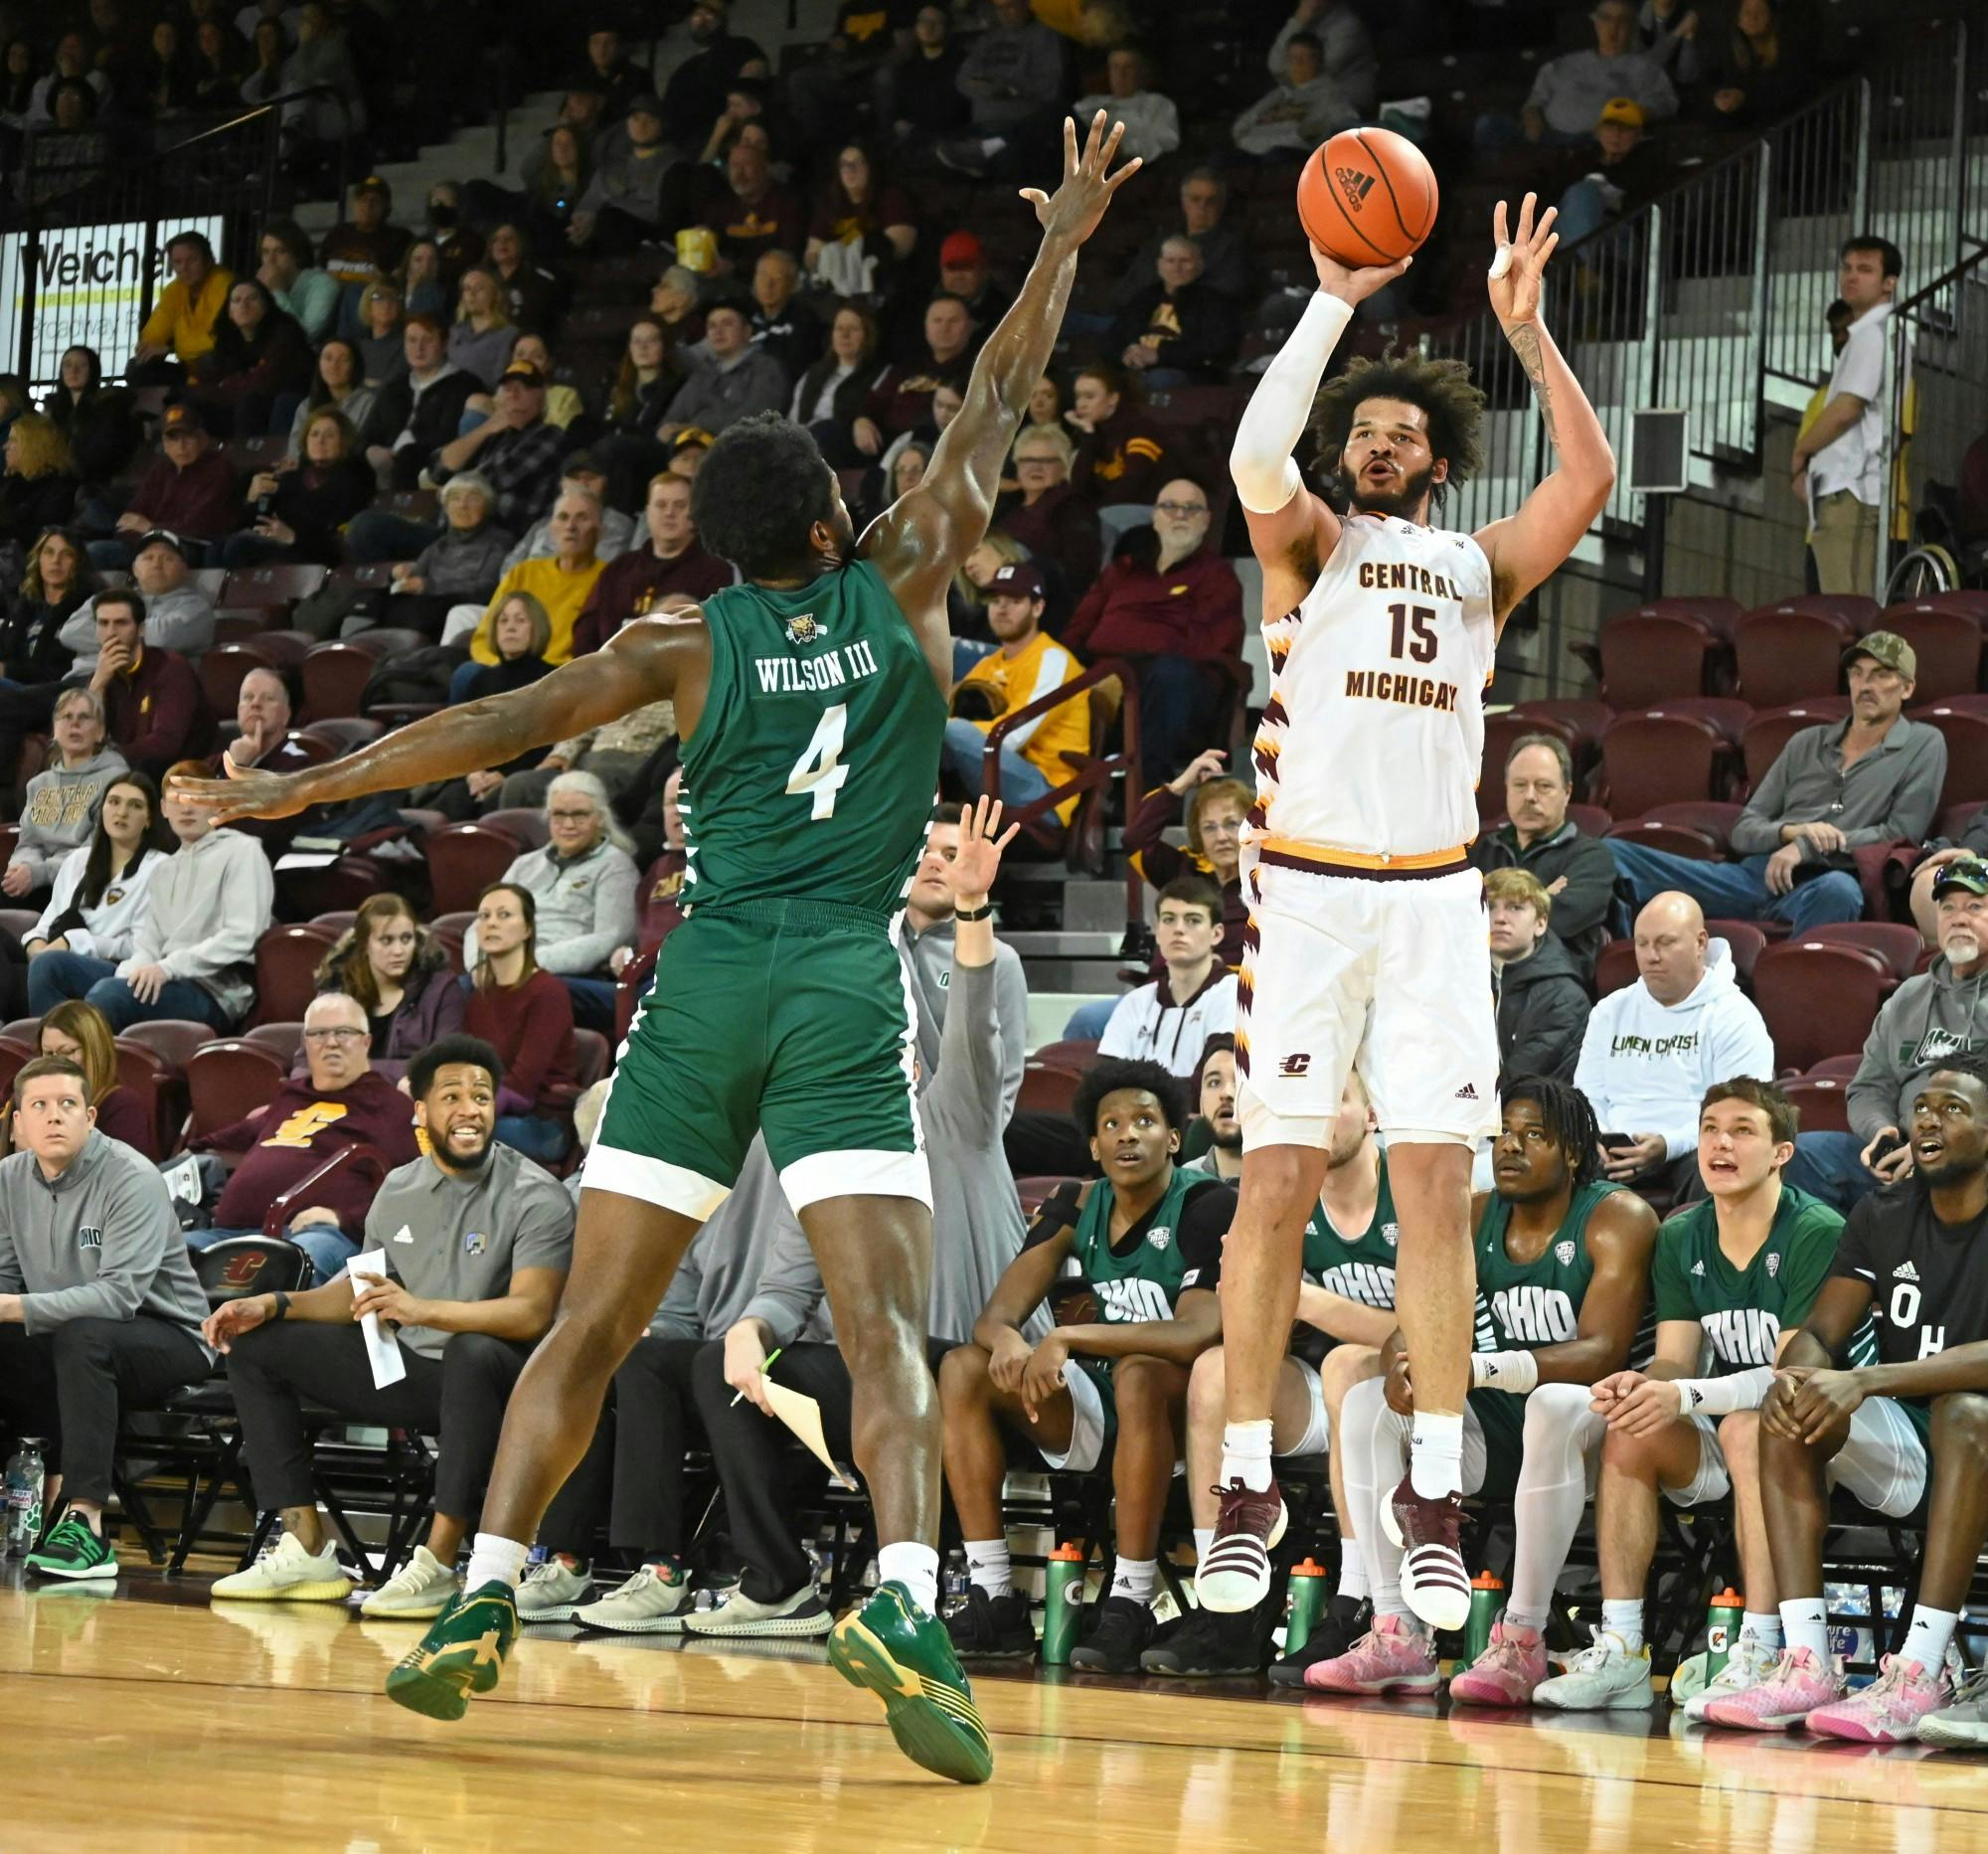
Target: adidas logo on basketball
[(1354, 184)]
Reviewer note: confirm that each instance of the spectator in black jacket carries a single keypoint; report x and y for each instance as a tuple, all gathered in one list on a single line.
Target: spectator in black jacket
[(98, 420), (423, 408), (33, 655), (1576, 870), (833, 392), (299, 510), (1178, 330), (918, 92), (37, 487), (259, 361), (1542, 1003), (699, 86)]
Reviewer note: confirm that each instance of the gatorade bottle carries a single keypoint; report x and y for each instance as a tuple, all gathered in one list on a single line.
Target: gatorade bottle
[(1307, 1601), (1722, 1629), (1487, 1604), (1062, 1604)]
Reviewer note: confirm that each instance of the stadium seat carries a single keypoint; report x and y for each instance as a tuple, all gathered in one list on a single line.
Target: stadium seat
[(1822, 1102), (1036, 1192), (229, 1078), (1069, 1052), (1744, 941), (464, 860), (1967, 605), (1854, 611), (19, 922), (173, 1039), (1818, 1000), (1772, 729), (1591, 820), (1726, 714), (286, 963), (281, 1039), (1588, 720), (27, 1029), (1715, 613), (1896, 942), (1947, 645), (335, 673), (1650, 657), (1616, 967), (1677, 839), (1954, 820), (266, 589), (1966, 752), (1048, 1088), (1839, 1068), (1784, 654), (341, 736), (223, 665), (1713, 818), (158, 1088), (15, 1053), (525, 822), (1658, 759), (450, 930)]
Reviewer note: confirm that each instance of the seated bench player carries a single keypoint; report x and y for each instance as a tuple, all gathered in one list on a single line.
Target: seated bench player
[(1912, 1263), (1345, 1314), (477, 1240), (1147, 1237), (1737, 1271), (1563, 1258)]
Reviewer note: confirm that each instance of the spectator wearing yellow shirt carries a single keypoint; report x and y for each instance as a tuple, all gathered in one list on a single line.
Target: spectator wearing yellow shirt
[(183, 319), (560, 582), (1028, 665)]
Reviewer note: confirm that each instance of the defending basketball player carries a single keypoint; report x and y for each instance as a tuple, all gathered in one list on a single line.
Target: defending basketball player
[(811, 703), (1366, 939)]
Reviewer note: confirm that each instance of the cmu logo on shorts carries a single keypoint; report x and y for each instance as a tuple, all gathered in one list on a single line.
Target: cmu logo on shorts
[(1295, 1065), (1354, 184), (88, 1236)]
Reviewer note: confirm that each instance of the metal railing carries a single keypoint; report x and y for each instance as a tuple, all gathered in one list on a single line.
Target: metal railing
[(1712, 297), (77, 268)]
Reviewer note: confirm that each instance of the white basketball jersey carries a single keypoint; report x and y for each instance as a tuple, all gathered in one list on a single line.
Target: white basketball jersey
[(1371, 742)]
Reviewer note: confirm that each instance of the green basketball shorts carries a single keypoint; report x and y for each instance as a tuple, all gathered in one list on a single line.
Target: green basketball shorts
[(788, 1017)]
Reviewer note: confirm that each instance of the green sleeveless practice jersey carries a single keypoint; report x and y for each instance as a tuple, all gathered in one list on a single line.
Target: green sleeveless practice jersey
[(1745, 1311), (815, 763), (1521, 1305), (1144, 1284), (1360, 1268)]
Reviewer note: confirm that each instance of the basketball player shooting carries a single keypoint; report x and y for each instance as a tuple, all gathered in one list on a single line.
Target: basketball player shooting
[(1366, 939)]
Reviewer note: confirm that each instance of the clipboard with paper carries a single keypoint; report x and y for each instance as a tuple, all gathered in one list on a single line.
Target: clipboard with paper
[(802, 1414)]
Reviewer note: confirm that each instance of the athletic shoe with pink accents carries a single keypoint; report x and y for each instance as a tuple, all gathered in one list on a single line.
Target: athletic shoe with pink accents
[(1889, 1711), (1391, 1657), (1798, 1686), (1506, 1673)]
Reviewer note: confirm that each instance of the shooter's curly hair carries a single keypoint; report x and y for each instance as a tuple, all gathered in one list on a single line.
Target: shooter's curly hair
[(1442, 389)]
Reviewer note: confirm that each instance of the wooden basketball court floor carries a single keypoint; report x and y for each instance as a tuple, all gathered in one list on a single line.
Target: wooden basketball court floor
[(146, 1720)]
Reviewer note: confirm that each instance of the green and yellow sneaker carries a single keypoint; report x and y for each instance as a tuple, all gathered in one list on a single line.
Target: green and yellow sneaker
[(462, 1653), (73, 1551), (894, 1649)]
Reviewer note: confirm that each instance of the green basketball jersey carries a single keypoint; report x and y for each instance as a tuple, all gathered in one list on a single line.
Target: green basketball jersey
[(815, 763), (1523, 1305), (1360, 1268), (1144, 1284), (1745, 1311)]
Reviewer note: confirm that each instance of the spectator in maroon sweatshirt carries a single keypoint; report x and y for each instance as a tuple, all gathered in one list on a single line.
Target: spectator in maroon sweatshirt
[(525, 1015), (1121, 453), (343, 1101), (639, 580), (152, 704), (189, 490), (1170, 603), (1049, 517)]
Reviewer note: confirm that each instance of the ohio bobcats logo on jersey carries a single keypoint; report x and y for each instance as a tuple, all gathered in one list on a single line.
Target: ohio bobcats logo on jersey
[(1354, 184), (1132, 1301), (1160, 1238), (1564, 1253), (803, 629)]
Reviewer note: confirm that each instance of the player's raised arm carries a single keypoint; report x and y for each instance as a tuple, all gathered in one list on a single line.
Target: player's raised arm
[(1525, 548), (921, 540), (1293, 532), (647, 660)]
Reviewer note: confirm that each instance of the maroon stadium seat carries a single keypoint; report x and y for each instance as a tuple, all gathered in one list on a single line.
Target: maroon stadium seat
[(1713, 818), (230, 1078), (1651, 657), (1954, 819), (1823, 1102), (525, 822), (1660, 759), (286, 963), (1717, 613), (1744, 941), (250, 588), (1963, 603), (1785, 654), (1966, 750), (1048, 1088), (1726, 714), (1838, 1068), (335, 673), (1896, 942), (464, 860), (1616, 967), (281, 1039), (1856, 610), (1653, 833), (172, 1039), (1818, 1000), (1588, 720), (1947, 645), (1772, 729)]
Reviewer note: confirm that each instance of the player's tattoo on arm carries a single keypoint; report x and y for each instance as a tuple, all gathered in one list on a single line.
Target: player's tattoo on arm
[(1525, 340)]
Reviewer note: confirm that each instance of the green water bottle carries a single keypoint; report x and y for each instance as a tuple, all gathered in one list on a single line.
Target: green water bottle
[(1722, 1629), (1487, 1604), (1062, 1604), (1307, 1603)]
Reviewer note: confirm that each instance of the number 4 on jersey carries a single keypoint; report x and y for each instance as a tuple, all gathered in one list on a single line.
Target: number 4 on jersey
[(818, 770)]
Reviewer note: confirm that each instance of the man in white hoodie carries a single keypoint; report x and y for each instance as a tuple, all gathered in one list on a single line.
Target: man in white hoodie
[(1170, 1020), (1653, 1047)]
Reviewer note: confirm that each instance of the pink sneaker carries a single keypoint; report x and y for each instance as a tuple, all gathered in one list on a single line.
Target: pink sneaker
[(1798, 1685), (1889, 1711), (1390, 1658), (1506, 1673)]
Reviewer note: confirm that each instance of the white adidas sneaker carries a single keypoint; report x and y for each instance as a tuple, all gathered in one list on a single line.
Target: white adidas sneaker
[(1608, 1677), (419, 1591), (287, 1573)]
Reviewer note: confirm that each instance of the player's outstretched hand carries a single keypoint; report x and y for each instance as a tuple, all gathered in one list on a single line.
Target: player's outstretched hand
[(1073, 211), (970, 875), (244, 793), (1354, 286), (1520, 263)]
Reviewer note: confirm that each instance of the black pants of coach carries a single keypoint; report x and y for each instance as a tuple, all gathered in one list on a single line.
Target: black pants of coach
[(655, 1420), (459, 1399), (68, 1387)]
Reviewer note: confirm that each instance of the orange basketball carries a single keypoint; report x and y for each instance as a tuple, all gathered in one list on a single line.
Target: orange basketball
[(1367, 197)]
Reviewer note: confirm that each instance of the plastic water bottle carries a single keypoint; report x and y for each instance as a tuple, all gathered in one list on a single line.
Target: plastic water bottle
[(1487, 1604), (27, 1476), (1307, 1603), (1062, 1604), (1722, 1622)]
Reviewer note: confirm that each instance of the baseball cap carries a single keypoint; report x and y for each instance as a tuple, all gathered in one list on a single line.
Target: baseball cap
[(373, 183), (523, 373), (162, 536), (1964, 872), (1017, 580), (1623, 109), (184, 417), (644, 105), (580, 464), (1887, 648), (960, 247)]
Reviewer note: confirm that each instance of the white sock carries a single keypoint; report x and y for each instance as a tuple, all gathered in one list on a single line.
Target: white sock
[(915, 1567), (1624, 1617), (1435, 1454), (1351, 1570), (1927, 1635), (1136, 1577), (1805, 1624), (1518, 1619), (987, 1566), (1246, 1455), (1767, 1629), (1204, 1537), (495, 1560)]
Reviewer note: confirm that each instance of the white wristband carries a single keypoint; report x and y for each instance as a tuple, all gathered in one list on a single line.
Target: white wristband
[(1513, 1372), (1721, 1397)]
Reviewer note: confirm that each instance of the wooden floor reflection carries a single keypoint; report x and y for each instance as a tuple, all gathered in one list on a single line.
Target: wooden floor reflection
[(133, 1722)]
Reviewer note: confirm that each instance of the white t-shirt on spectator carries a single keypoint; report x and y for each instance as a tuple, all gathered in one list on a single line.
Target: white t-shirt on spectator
[(1855, 461), (1148, 1026)]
